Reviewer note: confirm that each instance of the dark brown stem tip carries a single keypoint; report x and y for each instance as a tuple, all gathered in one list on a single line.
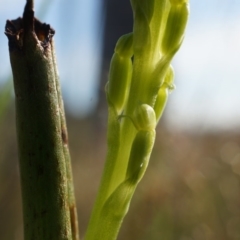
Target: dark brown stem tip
[(28, 16), (17, 30), (30, 4), (14, 32)]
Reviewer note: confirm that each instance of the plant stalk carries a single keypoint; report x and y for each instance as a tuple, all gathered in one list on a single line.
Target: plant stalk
[(49, 210)]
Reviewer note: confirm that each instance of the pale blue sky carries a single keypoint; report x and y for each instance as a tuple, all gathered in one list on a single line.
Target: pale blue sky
[(207, 66)]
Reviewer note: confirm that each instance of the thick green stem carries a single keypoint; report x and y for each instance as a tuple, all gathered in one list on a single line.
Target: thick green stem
[(105, 185), (46, 179)]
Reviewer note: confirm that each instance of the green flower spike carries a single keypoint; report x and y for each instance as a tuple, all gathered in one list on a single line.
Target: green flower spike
[(140, 79)]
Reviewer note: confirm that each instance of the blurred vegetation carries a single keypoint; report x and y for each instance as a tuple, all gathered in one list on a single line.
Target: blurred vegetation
[(191, 189), (5, 96)]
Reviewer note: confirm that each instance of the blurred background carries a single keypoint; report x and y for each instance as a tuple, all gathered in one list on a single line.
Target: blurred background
[(191, 190)]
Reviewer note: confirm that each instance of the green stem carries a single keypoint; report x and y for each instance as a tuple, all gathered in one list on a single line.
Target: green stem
[(106, 181)]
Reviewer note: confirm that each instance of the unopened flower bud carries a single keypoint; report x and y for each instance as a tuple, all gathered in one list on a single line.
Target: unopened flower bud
[(144, 117), (163, 92), (124, 46), (169, 79), (159, 73), (140, 154), (119, 80), (175, 27), (142, 32), (161, 102)]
